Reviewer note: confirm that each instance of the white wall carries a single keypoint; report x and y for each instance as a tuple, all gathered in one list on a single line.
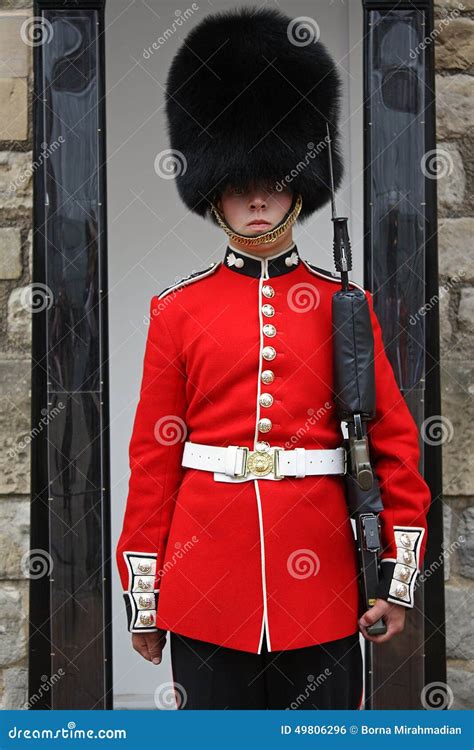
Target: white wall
[(154, 240)]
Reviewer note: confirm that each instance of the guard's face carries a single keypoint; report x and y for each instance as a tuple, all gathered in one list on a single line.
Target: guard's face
[(255, 209)]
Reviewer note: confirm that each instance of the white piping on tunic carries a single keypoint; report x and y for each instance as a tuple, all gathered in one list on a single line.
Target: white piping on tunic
[(185, 282), (263, 276), (330, 278)]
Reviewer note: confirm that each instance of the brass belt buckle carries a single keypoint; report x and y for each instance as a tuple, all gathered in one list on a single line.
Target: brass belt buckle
[(261, 463)]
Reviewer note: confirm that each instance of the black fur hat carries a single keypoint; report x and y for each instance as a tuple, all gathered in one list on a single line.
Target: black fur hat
[(248, 101)]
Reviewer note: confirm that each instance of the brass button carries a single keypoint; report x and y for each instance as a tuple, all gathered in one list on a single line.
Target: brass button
[(405, 574), (269, 329), (268, 291), (407, 556), (405, 540), (266, 399), (262, 445), (144, 567), (264, 425), (268, 310), (401, 590), (144, 585), (145, 602), (267, 376), (268, 352), (146, 619)]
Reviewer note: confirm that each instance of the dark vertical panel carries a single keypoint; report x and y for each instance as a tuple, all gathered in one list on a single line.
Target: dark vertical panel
[(401, 270), (70, 487)]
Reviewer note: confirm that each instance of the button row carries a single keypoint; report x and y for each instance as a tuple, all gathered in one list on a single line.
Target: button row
[(267, 376)]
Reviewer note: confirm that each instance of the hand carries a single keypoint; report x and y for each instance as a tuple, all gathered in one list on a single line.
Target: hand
[(393, 615), (150, 645)]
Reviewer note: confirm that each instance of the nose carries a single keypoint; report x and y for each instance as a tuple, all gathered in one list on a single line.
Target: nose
[(257, 200)]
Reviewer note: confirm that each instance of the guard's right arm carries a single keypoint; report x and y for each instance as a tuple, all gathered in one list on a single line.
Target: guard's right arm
[(155, 453)]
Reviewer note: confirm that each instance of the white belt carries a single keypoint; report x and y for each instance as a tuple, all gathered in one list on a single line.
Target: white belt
[(235, 463)]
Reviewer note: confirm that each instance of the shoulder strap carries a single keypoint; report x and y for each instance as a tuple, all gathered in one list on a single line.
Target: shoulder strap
[(329, 275), (190, 278)]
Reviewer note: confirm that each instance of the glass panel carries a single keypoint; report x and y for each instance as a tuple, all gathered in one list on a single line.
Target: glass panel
[(76, 600), (74, 437), (397, 192), (72, 197)]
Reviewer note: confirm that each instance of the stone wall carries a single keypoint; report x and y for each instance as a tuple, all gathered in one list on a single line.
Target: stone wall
[(16, 85), (455, 122), (454, 55)]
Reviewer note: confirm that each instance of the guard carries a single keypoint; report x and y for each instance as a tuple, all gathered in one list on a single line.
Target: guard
[(236, 536)]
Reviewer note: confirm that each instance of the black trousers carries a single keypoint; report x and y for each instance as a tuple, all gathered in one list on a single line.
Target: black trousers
[(325, 676)]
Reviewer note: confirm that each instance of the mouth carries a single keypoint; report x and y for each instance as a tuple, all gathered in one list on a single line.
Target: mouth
[(259, 223)]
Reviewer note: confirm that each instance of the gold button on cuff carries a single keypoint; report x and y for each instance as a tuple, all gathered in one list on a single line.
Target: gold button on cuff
[(144, 567), (407, 556), (146, 619)]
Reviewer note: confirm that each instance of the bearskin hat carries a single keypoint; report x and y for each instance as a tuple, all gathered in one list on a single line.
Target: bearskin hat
[(247, 100)]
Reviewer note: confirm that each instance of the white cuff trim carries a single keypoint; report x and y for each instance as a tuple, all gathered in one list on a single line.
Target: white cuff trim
[(408, 544), (141, 592)]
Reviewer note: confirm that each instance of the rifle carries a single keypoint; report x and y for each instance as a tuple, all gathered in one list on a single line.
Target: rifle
[(354, 396)]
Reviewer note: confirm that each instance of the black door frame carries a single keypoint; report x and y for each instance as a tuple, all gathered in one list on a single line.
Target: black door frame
[(70, 639)]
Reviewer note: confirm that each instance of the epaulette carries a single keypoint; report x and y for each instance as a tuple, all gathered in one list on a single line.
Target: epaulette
[(329, 275), (195, 276)]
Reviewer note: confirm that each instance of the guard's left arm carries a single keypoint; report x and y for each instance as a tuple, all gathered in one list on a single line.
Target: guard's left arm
[(406, 497)]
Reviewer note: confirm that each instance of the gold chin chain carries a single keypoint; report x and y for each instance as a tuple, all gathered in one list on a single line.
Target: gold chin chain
[(265, 237)]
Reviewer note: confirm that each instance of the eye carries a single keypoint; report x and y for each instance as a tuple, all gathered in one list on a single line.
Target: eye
[(237, 191)]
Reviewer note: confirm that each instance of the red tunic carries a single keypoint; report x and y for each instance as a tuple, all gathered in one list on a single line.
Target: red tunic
[(231, 563)]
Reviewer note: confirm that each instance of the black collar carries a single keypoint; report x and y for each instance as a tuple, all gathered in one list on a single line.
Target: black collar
[(249, 265)]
